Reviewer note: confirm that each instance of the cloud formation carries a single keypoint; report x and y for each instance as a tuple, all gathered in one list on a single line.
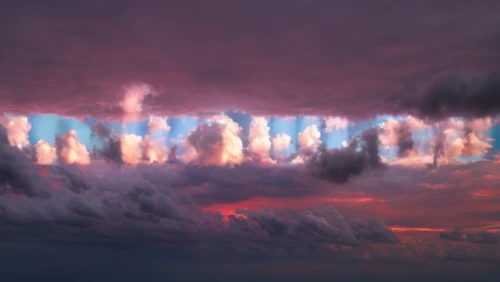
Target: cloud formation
[(339, 165), (17, 129), (281, 142), (335, 123), (216, 142), (454, 95), (133, 99), (259, 141), (69, 150), (299, 67)]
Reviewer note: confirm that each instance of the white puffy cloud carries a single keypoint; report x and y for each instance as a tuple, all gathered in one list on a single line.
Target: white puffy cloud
[(216, 142), (157, 123), (259, 140), (309, 138), (281, 142), (335, 123), (70, 150)]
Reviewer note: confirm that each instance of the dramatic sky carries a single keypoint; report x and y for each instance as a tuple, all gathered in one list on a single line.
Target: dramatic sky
[(274, 140)]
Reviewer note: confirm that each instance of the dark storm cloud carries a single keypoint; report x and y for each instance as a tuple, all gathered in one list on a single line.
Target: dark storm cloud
[(111, 149), (279, 57), (372, 229), (340, 165), (405, 140), (17, 171), (454, 95)]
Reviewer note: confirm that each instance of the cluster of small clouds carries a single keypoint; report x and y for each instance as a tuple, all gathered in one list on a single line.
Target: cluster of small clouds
[(452, 139), (217, 141)]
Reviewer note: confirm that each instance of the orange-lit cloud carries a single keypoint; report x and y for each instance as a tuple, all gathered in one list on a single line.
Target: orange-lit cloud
[(70, 150), (17, 129)]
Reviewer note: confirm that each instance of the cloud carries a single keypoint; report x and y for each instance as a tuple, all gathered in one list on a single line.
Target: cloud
[(281, 142), (111, 150), (302, 68), (308, 141), (457, 138), (453, 95), (399, 133), (131, 151), (17, 170), (482, 237), (70, 150), (372, 229), (17, 129), (45, 153), (309, 138), (339, 165), (164, 203), (216, 142), (259, 141), (157, 123), (335, 123), (133, 99)]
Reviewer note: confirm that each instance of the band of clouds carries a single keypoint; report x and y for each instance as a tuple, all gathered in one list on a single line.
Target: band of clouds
[(217, 141)]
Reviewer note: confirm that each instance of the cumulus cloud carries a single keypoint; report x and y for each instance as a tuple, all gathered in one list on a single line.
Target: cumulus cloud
[(281, 142), (132, 101), (216, 142), (461, 138), (17, 129), (259, 141), (308, 141), (131, 150), (335, 123), (45, 153), (339, 165), (111, 149), (399, 133), (309, 138), (135, 149), (158, 124), (70, 150)]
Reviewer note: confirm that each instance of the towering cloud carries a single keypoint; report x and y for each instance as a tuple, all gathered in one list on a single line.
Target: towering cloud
[(335, 123), (259, 140), (132, 101), (131, 150), (216, 142), (309, 138), (17, 129), (308, 141), (70, 150), (45, 154)]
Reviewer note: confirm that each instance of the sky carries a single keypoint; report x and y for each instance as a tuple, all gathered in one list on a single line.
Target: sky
[(250, 140)]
